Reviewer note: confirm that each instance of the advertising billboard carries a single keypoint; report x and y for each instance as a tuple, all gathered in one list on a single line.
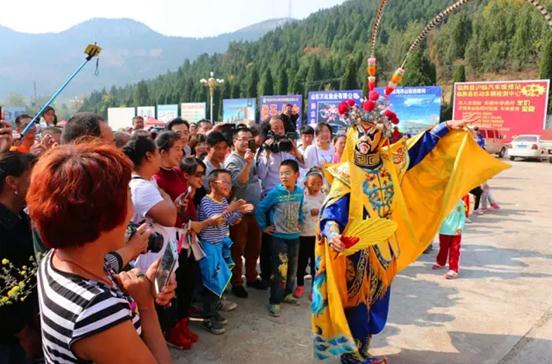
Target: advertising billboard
[(323, 107), (238, 110), (146, 112), (167, 112), (192, 111), (512, 107), (275, 105), (120, 117), (418, 108)]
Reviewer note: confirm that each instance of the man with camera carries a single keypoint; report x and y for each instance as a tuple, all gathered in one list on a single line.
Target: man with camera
[(246, 234), (278, 147)]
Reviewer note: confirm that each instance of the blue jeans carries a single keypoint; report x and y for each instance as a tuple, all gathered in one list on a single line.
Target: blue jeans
[(283, 258)]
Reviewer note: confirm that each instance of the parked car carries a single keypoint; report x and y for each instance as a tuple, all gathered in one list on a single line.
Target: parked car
[(530, 146), (494, 141)]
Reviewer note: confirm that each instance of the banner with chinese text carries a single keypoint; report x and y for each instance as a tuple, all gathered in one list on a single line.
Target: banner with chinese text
[(513, 107), (275, 105), (323, 107)]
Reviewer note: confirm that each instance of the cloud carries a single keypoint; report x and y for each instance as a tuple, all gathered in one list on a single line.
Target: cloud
[(415, 101)]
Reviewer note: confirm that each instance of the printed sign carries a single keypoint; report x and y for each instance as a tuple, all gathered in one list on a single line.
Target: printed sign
[(512, 107)]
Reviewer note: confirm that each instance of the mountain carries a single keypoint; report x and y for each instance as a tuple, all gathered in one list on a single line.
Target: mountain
[(131, 52), (491, 39)]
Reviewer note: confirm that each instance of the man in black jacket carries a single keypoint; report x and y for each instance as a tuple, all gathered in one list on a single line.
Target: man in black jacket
[(289, 117)]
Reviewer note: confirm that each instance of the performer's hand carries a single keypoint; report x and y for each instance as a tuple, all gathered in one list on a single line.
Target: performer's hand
[(336, 243), (269, 229), (459, 124)]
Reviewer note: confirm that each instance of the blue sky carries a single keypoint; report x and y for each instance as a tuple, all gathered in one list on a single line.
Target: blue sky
[(189, 18)]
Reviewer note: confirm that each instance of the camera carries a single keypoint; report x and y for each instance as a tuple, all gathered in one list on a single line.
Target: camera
[(155, 240), (281, 143)]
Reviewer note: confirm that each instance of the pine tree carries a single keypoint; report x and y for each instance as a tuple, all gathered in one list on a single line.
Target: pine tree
[(458, 75), (252, 83), (235, 92), (266, 88), (313, 75), (141, 94), (420, 71), (520, 51), (349, 79), (282, 81)]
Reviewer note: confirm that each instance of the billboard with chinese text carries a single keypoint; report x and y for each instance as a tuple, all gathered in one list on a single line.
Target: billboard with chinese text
[(323, 106), (513, 107), (274, 105)]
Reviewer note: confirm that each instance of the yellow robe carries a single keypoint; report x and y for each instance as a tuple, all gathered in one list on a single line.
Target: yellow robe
[(423, 196)]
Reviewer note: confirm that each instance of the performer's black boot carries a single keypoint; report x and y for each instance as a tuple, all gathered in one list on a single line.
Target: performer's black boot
[(363, 356)]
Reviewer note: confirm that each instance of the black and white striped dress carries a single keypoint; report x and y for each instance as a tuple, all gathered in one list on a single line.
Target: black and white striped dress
[(73, 308)]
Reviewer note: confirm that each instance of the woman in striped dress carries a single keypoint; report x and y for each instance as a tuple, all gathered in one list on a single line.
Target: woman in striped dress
[(80, 203)]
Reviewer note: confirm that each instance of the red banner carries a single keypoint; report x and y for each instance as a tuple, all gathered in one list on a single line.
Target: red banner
[(512, 107)]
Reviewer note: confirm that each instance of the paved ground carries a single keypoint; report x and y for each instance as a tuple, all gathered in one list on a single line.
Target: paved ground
[(500, 311)]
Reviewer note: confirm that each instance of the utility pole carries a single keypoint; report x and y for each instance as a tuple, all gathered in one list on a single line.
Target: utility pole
[(289, 9)]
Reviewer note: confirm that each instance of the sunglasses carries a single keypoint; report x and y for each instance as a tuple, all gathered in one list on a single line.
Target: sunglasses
[(199, 174)]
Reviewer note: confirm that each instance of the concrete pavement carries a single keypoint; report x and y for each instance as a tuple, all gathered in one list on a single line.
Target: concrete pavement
[(499, 311)]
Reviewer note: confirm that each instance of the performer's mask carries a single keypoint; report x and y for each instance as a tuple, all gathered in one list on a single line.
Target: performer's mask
[(369, 140)]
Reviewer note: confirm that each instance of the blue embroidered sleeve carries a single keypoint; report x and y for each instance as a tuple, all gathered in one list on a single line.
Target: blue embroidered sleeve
[(425, 144), (337, 212)]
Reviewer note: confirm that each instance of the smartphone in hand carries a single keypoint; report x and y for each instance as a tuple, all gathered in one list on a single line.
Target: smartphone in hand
[(167, 266)]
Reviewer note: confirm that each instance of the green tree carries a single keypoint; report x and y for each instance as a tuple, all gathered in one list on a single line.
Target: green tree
[(141, 94), (349, 79), (266, 87), (282, 81), (458, 75), (419, 71), (520, 51), (314, 75), (252, 83)]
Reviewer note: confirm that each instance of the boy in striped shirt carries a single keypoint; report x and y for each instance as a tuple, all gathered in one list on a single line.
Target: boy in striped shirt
[(215, 242)]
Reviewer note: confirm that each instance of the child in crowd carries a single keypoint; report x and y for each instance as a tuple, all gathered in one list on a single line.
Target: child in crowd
[(215, 242), (450, 238), (313, 200), (284, 205)]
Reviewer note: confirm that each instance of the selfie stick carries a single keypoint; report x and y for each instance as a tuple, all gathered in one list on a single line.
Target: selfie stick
[(91, 51)]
